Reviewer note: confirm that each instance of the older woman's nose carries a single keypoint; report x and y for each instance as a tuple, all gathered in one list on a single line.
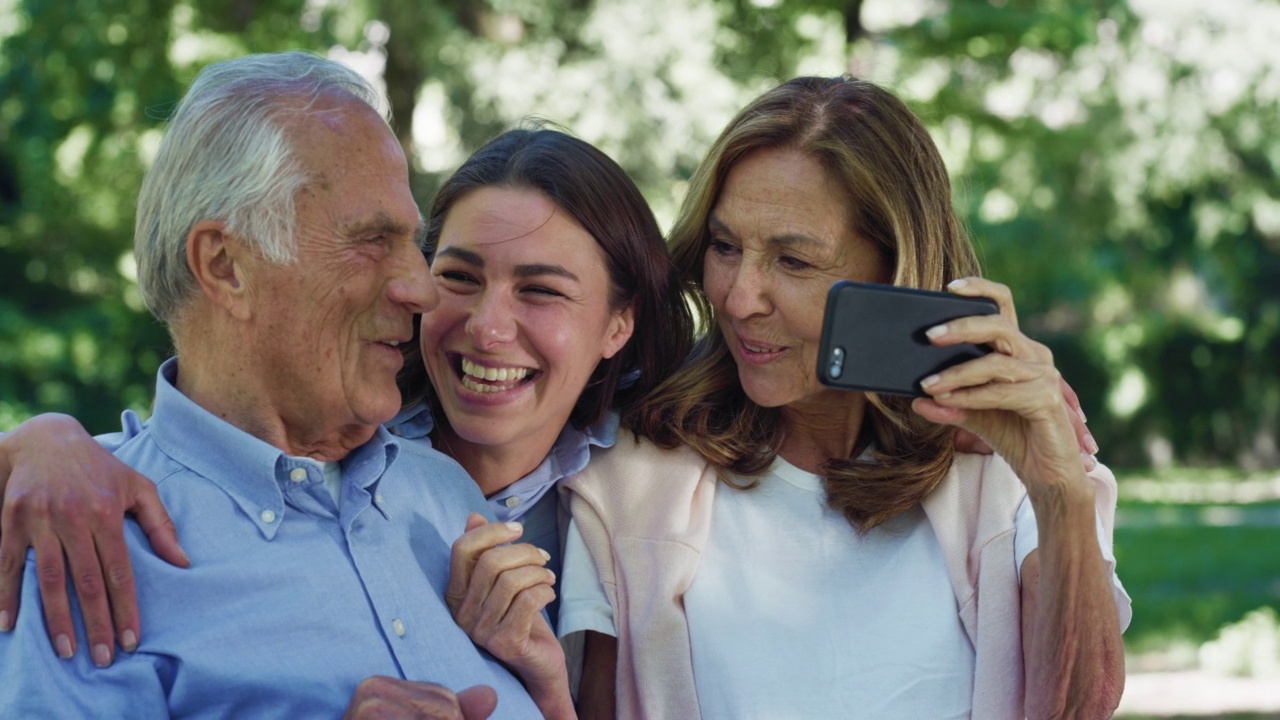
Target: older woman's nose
[(748, 292)]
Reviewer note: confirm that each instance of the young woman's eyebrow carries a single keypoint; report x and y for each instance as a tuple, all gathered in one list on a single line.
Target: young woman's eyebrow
[(465, 256), (535, 269), (527, 270)]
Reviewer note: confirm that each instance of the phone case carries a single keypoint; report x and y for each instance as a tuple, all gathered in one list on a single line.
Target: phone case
[(873, 336)]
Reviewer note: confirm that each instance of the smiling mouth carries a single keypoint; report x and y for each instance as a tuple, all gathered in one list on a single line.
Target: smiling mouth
[(757, 348), (478, 378)]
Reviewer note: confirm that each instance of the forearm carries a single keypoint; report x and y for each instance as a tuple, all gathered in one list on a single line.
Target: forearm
[(597, 697), (550, 692), (6, 459), (1074, 654)]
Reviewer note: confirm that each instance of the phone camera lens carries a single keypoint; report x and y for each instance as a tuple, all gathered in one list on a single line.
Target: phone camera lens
[(837, 363)]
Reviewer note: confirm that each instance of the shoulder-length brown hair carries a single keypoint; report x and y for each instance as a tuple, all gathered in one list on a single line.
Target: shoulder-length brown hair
[(899, 197), (599, 195)]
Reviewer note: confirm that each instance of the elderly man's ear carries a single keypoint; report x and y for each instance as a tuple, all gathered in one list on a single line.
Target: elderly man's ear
[(220, 260)]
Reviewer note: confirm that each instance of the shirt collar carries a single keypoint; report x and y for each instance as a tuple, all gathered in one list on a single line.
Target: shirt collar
[(569, 456), (413, 423), (251, 471)]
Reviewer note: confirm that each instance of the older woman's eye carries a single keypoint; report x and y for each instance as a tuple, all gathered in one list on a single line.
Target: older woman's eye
[(720, 247), (792, 263)]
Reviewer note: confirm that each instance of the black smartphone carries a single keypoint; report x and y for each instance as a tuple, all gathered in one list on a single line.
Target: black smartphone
[(873, 336)]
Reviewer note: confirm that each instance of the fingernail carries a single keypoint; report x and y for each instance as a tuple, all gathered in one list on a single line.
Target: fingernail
[(101, 655), (4, 621), (957, 284), (1090, 462), (1091, 444), (63, 645), (1080, 412), (936, 331), (930, 381), (515, 527), (545, 555), (128, 641)]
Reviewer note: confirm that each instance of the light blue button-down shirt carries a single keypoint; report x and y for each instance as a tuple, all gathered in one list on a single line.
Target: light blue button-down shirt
[(289, 602)]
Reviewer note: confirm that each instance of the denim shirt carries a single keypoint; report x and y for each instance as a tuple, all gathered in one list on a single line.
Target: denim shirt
[(290, 601)]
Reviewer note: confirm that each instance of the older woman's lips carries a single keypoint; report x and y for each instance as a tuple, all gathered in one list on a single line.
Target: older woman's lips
[(758, 353)]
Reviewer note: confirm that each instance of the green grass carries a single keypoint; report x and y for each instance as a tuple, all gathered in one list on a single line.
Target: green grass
[(1188, 581)]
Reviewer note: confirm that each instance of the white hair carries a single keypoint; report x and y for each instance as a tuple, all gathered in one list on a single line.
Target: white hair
[(225, 156)]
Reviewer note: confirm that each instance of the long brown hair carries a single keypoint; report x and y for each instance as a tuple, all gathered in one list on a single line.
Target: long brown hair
[(597, 193), (899, 198)]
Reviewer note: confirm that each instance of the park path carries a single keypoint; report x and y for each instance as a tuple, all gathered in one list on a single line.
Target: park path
[(1191, 693)]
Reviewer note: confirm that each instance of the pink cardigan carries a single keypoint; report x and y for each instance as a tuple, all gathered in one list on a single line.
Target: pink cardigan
[(644, 514)]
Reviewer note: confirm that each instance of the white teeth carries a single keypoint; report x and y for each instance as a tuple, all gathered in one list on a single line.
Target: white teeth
[(472, 370), (757, 348)]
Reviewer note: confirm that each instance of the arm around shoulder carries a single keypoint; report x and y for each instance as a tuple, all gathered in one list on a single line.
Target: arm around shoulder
[(39, 684), (64, 494)]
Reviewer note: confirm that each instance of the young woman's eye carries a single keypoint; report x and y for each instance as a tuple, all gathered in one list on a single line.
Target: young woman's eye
[(456, 276), (543, 291)]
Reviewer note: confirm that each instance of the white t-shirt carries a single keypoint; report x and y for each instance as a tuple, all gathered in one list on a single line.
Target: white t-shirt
[(793, 614)]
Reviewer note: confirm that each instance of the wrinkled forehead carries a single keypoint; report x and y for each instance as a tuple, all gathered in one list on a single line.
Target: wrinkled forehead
[(334, 122)]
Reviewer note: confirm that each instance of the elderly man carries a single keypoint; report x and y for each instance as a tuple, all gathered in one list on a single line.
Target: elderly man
[(278, 240)]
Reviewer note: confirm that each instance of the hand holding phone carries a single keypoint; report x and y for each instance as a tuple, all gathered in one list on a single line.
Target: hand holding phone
[(873, 336)]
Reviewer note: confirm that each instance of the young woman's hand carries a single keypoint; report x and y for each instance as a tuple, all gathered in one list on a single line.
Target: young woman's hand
[(496, 592), (64, 494)]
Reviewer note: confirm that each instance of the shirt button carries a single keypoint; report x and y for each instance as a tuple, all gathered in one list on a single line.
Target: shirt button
[(268, 516), (298, 475), (378, 498), (511, 501), (398, 626)]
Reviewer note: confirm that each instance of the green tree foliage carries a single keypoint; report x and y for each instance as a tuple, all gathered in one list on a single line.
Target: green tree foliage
[(1116, 162), (1122, 170)]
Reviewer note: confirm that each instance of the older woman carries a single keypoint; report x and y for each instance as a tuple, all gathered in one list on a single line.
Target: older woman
[(777, 548)]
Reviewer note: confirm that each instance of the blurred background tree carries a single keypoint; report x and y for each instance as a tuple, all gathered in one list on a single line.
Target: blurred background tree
[(1116, 162)]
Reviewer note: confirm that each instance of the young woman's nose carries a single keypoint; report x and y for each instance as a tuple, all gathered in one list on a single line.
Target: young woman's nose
[(491, 321)]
